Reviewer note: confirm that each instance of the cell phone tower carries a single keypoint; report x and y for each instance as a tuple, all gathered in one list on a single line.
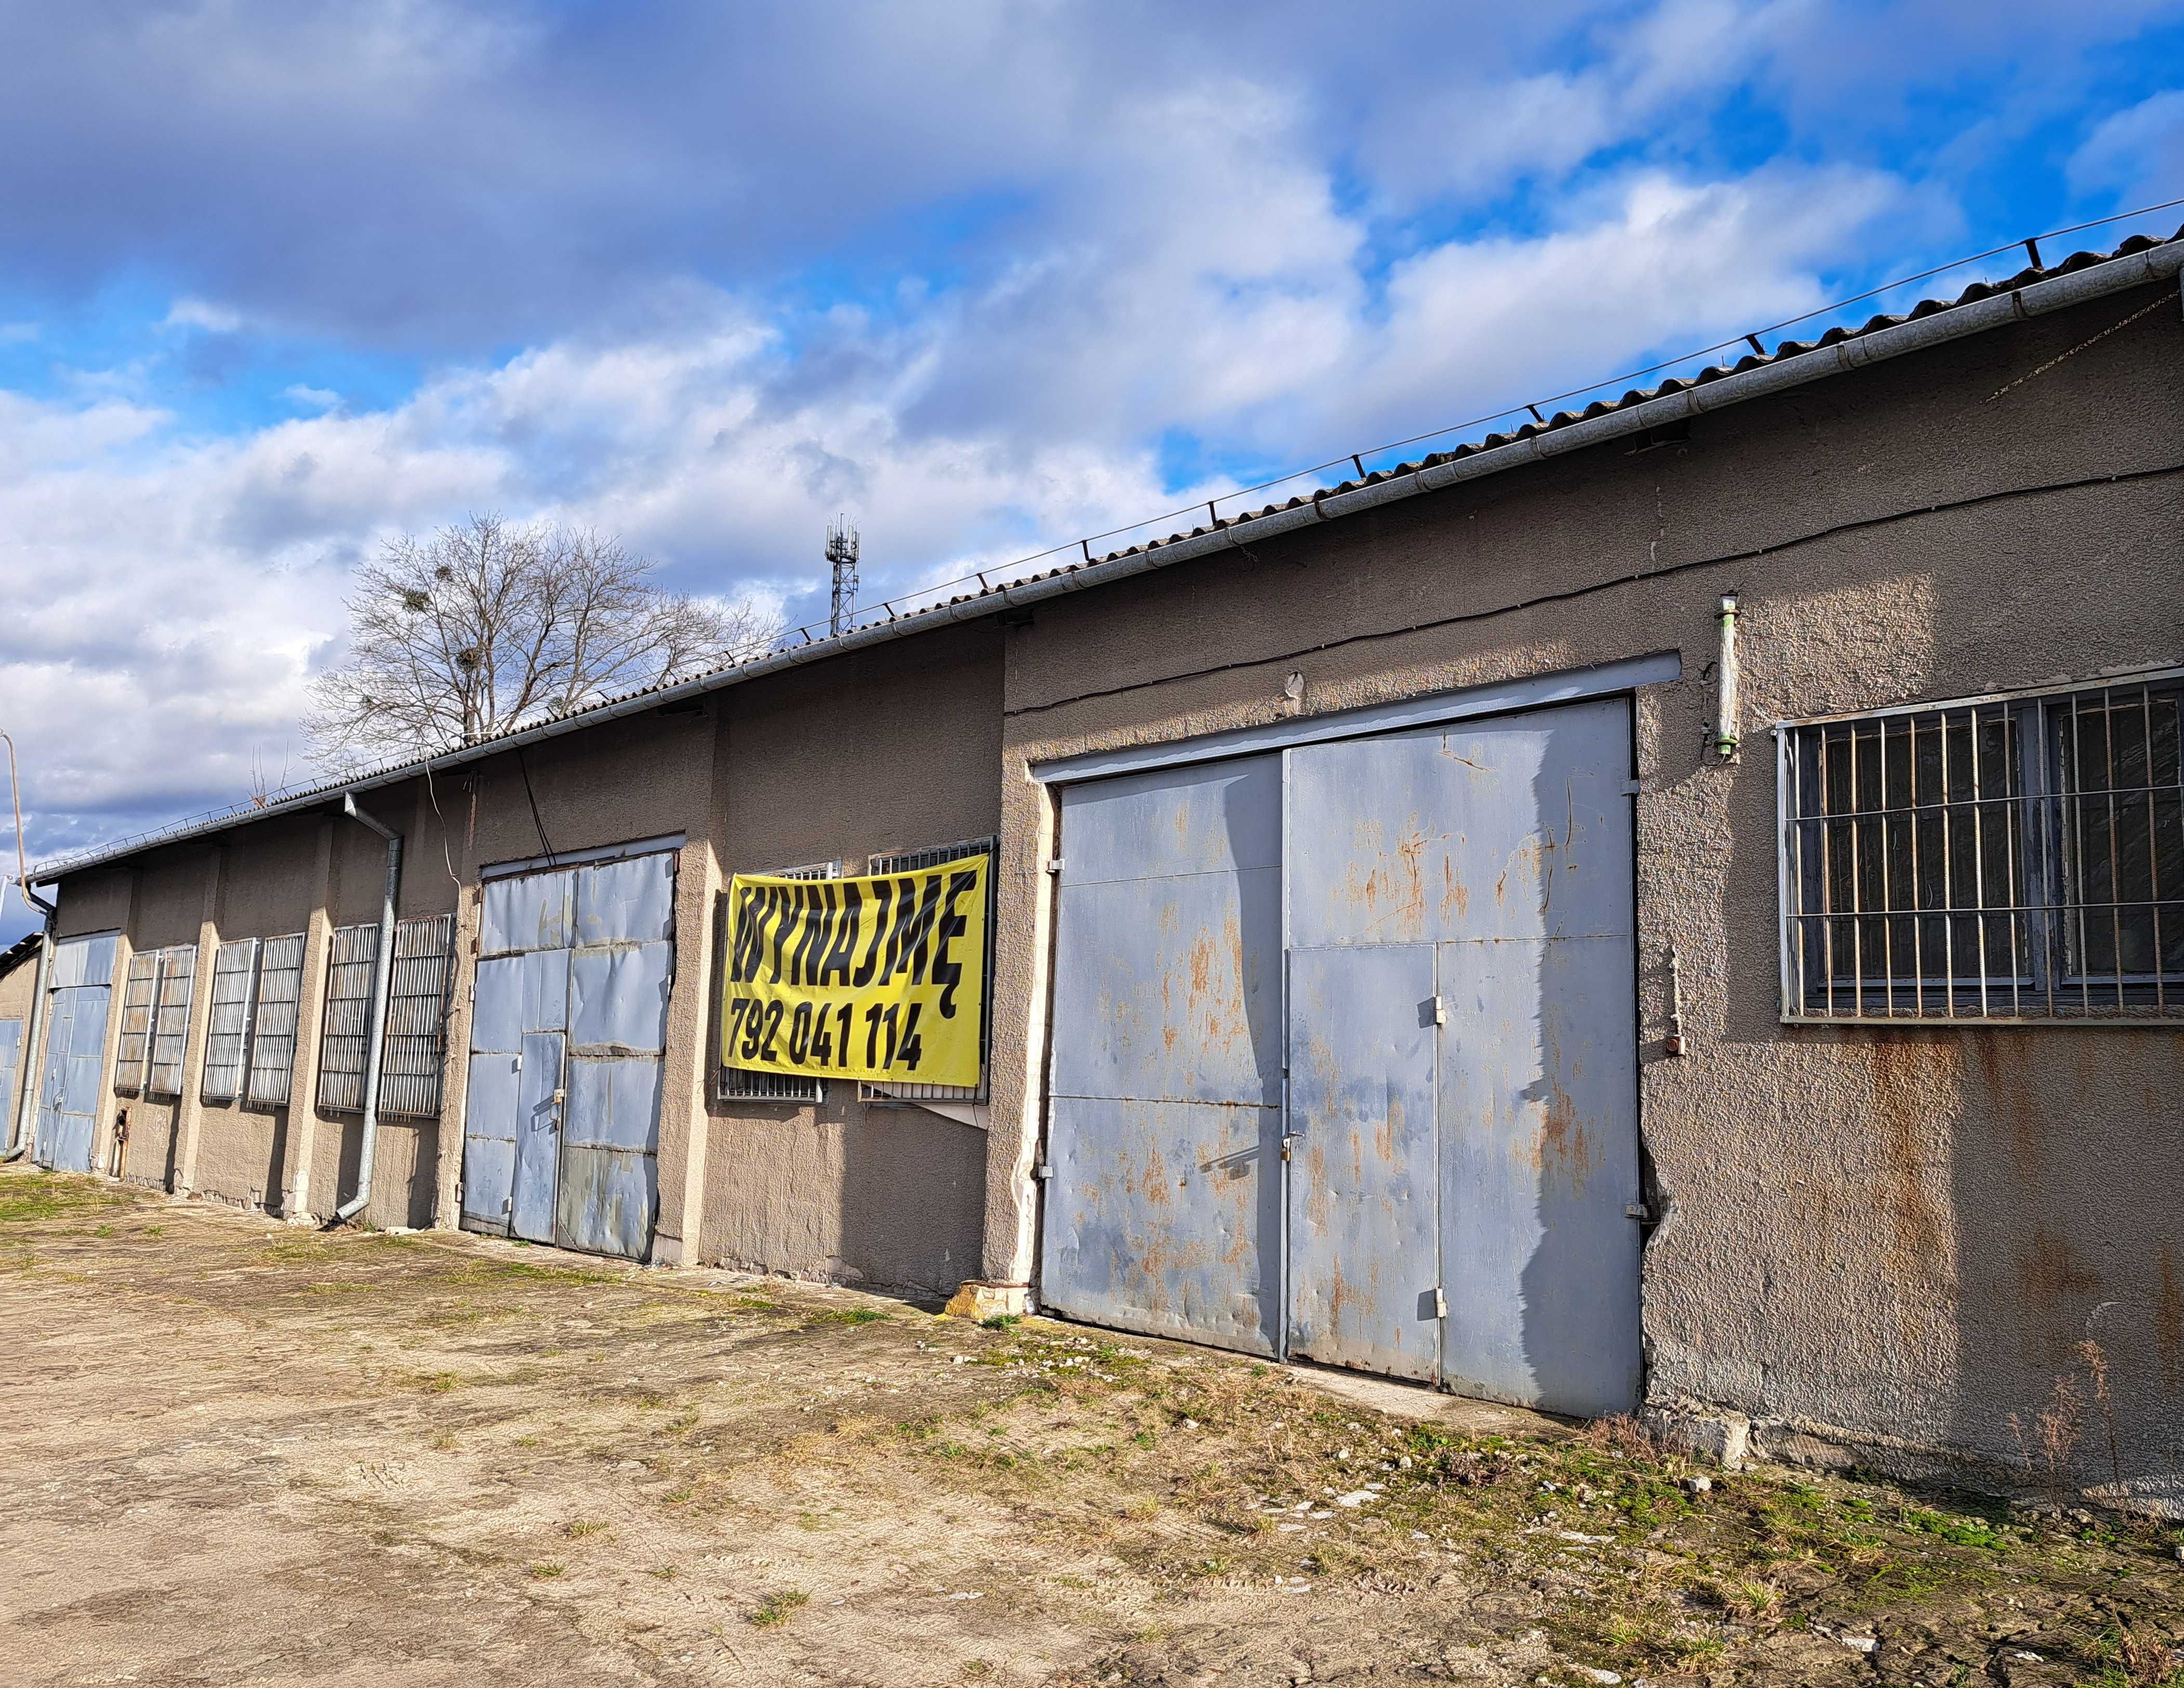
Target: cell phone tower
[(841, 553)]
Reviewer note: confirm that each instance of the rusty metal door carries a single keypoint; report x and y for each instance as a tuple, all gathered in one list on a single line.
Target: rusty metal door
[(1164, 1206), (79, 988), (561, 1123), (1483, 872)]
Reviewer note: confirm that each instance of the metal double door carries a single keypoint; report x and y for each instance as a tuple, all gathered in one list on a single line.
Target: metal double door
[(1345, 1057), (73, 1075), (568, 1031)]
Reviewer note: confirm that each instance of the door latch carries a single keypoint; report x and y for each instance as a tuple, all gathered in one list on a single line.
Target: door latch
[(1289, 1137)]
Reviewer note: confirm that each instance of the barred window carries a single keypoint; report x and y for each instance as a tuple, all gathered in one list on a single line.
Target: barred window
[(2014, 858), (415, 1039), (417, 1016), (347, 1023), (910, 861), (227, 1039), (741, 1084), (132, 1055), (170, 1019), (273, 1038)]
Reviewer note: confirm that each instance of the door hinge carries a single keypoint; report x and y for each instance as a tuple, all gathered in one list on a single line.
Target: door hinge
[(1052, 864), (1440, 1011), (1638, 1210), (1440, 1302), (1041, 1170)]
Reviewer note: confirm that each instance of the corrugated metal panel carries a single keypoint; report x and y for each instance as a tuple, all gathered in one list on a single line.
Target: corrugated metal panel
[(1163, 1213), (170, 1020), (531, 912), (227, 1039), (416, 1043), (132, 1052), (347, 1023), (273, 1037)]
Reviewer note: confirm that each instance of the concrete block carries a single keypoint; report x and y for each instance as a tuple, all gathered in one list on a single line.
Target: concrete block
[(981, 1299), (1720, 1437)]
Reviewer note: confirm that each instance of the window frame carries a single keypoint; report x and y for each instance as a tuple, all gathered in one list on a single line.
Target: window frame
[(247, 1014), (258, 1089), (741, 1084), (910, 861), (2044, 909)]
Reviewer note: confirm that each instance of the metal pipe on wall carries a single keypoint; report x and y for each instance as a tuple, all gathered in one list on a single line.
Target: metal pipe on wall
[(1726, 735), (27, 1063), (375, 1038)]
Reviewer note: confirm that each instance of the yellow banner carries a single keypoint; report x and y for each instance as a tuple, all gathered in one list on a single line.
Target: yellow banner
[(882, 978)]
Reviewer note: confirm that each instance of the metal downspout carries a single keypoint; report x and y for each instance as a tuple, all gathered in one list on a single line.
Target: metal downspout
[(27, 1063), (375, 1038), (26, 1115)]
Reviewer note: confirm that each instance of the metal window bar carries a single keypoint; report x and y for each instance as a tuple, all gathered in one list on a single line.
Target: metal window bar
[(273, 1037), (741, 1083), (227, 1039), (170, 1020), (132, 1056), (417, 1016), (2013, 858), (910, 861), (347, 1023)]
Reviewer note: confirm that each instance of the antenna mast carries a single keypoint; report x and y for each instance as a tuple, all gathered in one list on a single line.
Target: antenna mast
[(841, 553)]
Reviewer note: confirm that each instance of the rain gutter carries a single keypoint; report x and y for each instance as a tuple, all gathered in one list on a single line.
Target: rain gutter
[(1952, 322)]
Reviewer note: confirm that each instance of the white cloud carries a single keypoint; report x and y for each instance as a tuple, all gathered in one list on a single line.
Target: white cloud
[(2138, 155), (203, 313)]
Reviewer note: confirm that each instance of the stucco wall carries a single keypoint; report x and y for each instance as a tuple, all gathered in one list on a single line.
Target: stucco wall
[(1901, 1231), (886, 749)]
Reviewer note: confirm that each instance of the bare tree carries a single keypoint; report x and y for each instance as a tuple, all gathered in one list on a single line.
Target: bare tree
[(487, 626)]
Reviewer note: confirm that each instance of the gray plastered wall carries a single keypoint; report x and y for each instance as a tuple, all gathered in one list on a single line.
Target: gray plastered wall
[(1898, 1233)]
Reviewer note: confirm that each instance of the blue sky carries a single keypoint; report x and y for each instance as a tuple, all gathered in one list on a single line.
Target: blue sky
[(279, 280)]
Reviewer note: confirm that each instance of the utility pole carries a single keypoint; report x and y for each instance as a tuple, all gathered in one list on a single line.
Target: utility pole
[(841, 553)]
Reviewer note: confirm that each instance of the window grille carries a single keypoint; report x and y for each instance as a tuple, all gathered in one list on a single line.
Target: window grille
[(417, 1016), (140, 990), (910, 861), (740, 1083), (273, 1038), (2018, 858), (348, 1018), (416, 1040), (227, 1039), (170, 1019)]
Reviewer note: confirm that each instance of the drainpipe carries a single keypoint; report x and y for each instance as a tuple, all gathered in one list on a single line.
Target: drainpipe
[(382, 984), (26, 1112), (1724, 718), (26, 1067)]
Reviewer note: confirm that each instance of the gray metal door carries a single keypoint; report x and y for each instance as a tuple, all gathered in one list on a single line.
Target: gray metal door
[(1485, 868), (1163, 1211), (537, 1137), (1454, 909), (11, 1069), (81, 982), (561, 1123)]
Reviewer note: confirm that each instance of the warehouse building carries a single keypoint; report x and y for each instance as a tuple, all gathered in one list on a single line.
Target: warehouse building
[(1679, 907)]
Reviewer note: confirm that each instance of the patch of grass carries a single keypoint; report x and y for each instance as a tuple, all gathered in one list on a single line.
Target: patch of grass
[(546, 1569), (844, 1315), (576, 1528), (50, 1195), (667, 1574), (1964, 1532), (775, 1608), (1001, 1321), (758, 1304), (440, 1383), (676, 1498), (444, 1443), (103, 1231)]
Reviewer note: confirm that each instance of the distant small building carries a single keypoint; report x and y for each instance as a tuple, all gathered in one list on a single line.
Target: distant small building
[(1406, 952)]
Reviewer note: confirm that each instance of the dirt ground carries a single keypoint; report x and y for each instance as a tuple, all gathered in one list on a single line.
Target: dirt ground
[(240, 1452)]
